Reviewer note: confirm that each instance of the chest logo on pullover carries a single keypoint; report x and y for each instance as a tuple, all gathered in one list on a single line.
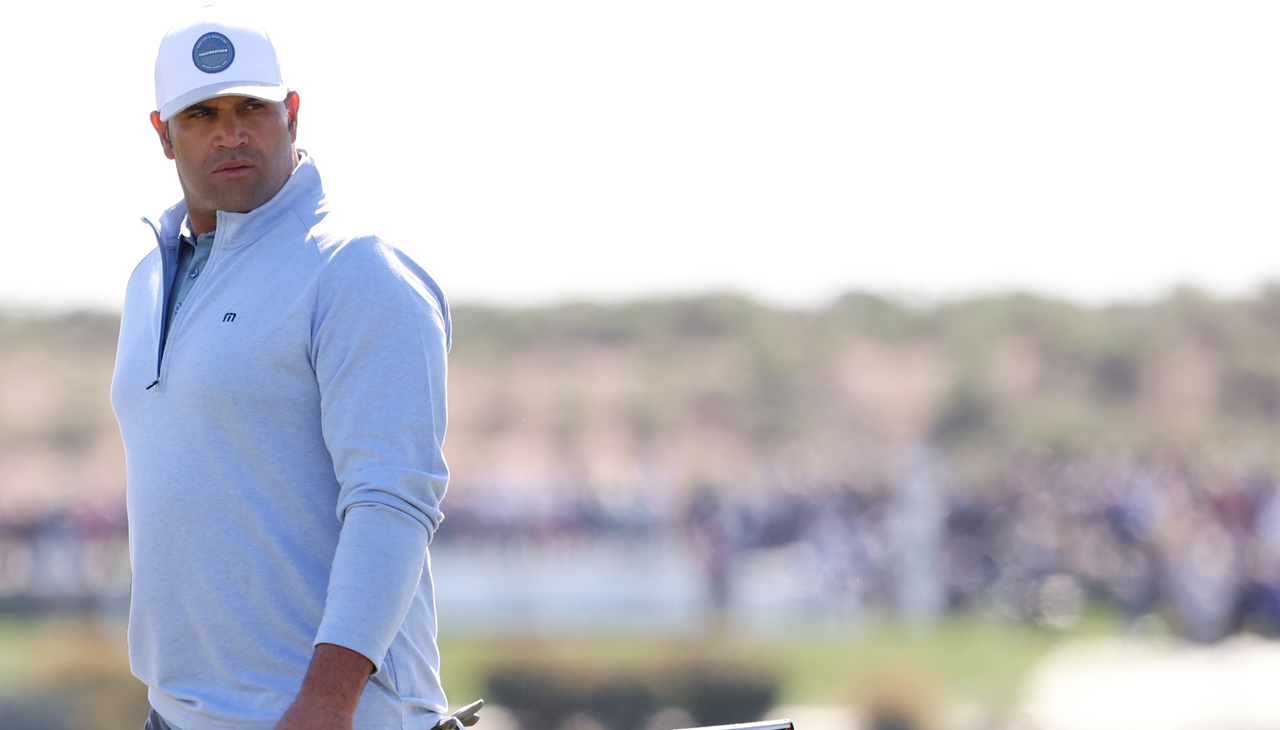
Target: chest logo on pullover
[(229, 317)]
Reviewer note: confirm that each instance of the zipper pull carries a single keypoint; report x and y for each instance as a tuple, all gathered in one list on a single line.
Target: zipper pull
[(154, 384)]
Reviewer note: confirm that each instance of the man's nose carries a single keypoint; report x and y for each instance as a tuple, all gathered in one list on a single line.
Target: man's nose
[(231, 132)]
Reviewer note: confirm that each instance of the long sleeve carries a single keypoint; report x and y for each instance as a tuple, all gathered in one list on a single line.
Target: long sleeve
[(380, 344)]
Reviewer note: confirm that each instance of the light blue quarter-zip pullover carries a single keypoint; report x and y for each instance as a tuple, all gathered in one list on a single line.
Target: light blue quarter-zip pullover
[(284, 465)]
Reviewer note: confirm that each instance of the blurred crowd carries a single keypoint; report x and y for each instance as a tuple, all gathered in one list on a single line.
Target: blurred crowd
[(1196, 545), (1193, 546), (75, 557)]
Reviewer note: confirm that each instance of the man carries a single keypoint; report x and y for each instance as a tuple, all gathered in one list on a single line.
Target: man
[(280, 387)]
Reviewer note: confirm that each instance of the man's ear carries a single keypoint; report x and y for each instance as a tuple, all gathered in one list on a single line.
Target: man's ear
[(291, 104), (162, 129)]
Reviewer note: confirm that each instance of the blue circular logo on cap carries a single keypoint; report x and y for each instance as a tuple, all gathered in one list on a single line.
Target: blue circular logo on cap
[(213, 52)]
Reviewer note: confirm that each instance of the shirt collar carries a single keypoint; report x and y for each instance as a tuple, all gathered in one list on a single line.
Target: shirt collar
[(187, 236), (303, 185)]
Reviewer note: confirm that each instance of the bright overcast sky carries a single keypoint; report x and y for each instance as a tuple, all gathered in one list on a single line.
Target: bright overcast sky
[(532, 152)]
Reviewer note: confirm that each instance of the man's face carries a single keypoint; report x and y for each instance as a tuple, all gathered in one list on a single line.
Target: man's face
[(233, 153)]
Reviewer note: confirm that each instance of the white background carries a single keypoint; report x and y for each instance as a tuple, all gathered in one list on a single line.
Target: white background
[(533, 152)]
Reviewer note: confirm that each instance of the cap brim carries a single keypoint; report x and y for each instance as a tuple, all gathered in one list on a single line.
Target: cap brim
[(226, 88)]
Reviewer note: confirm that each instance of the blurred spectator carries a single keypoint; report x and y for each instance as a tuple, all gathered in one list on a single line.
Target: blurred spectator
[(1162, 534)]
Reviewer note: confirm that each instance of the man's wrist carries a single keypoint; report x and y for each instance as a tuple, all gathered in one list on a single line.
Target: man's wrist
[(335, 678)]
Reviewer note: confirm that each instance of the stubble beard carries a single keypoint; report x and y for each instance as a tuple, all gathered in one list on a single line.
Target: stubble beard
[(235, 195)]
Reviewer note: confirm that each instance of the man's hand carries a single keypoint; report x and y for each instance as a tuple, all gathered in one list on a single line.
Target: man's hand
[(330, 691)]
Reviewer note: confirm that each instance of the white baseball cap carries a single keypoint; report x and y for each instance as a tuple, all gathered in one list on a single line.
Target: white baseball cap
[(213, 54)]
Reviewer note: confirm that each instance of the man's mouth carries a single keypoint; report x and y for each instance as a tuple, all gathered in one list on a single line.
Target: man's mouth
[(233, 169)]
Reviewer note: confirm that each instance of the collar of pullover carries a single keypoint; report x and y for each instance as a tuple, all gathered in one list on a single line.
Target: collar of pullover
[(239, 229)]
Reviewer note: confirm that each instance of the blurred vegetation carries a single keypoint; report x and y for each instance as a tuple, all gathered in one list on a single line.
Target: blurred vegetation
[(968, 658), (69, 674), (73, 348), (1023, 373), (986, 378)]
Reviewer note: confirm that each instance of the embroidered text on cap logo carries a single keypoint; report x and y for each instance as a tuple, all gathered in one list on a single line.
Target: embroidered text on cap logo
[(213, 52)]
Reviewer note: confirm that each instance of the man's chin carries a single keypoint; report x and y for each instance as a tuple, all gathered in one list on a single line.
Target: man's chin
[(241, 203)]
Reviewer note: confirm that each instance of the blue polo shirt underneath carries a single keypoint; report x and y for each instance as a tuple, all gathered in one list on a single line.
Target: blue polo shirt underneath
[(193, 254)]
